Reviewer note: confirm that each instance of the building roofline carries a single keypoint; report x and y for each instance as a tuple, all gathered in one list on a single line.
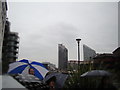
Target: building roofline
[(116, 50)]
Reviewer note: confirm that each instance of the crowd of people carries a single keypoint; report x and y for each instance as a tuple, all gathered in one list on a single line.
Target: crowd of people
[(105, 84)]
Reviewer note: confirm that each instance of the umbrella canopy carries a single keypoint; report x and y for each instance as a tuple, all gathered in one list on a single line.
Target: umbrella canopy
[(60, 79), (26, 67), (96, 73)]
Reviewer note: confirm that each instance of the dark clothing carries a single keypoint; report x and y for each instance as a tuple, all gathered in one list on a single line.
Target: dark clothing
[(106, 87)]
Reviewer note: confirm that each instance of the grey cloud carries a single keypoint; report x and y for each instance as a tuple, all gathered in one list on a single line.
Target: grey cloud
[(42, 26)]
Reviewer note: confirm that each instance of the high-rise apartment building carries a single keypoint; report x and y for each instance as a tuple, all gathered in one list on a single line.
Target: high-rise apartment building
[(9, 48), (13, 45), (3, 16), (62, 57), (88, 53), (8, 40)]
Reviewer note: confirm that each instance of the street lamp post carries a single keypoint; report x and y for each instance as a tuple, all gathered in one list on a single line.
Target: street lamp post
[(78, 41)]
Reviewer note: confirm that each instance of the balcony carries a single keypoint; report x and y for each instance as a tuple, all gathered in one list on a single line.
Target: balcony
[(12, 50), (12, 38), (12, 55), (13, 45)]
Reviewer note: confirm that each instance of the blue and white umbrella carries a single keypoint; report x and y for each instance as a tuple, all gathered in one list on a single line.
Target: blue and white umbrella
[(23, 67)]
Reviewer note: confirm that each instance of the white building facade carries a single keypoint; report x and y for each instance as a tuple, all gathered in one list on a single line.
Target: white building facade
[(88, 53)]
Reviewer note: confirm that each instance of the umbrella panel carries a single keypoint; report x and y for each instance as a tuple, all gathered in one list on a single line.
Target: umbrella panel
[(60, 79), (96, 73)]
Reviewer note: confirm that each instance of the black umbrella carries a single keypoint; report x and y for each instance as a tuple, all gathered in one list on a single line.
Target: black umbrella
[(96, 73), (60, 79)]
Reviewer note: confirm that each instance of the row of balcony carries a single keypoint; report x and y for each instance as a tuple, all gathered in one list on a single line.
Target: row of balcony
[(10, 49), (12, 44), (13, 38), (11, 55)]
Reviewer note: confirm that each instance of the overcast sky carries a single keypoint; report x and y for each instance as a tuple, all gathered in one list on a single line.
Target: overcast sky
[(44, 25)]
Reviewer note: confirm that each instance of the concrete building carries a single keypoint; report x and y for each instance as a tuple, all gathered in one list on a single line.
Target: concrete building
[(73, 64), (9, 48), (88, 53), (3, 16), (13, 46), (62, 57), (116, 52), (119, 24), (108, 60), (8, 40)]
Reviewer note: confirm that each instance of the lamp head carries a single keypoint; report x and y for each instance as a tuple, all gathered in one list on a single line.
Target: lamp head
[(78, 40)]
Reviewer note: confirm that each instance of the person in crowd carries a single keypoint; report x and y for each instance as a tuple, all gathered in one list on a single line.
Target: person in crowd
[(31, 71), (52, 83), (106, 83)]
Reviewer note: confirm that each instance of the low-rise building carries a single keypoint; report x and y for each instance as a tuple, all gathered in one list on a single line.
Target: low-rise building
[(73, 64), (107, 60)]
